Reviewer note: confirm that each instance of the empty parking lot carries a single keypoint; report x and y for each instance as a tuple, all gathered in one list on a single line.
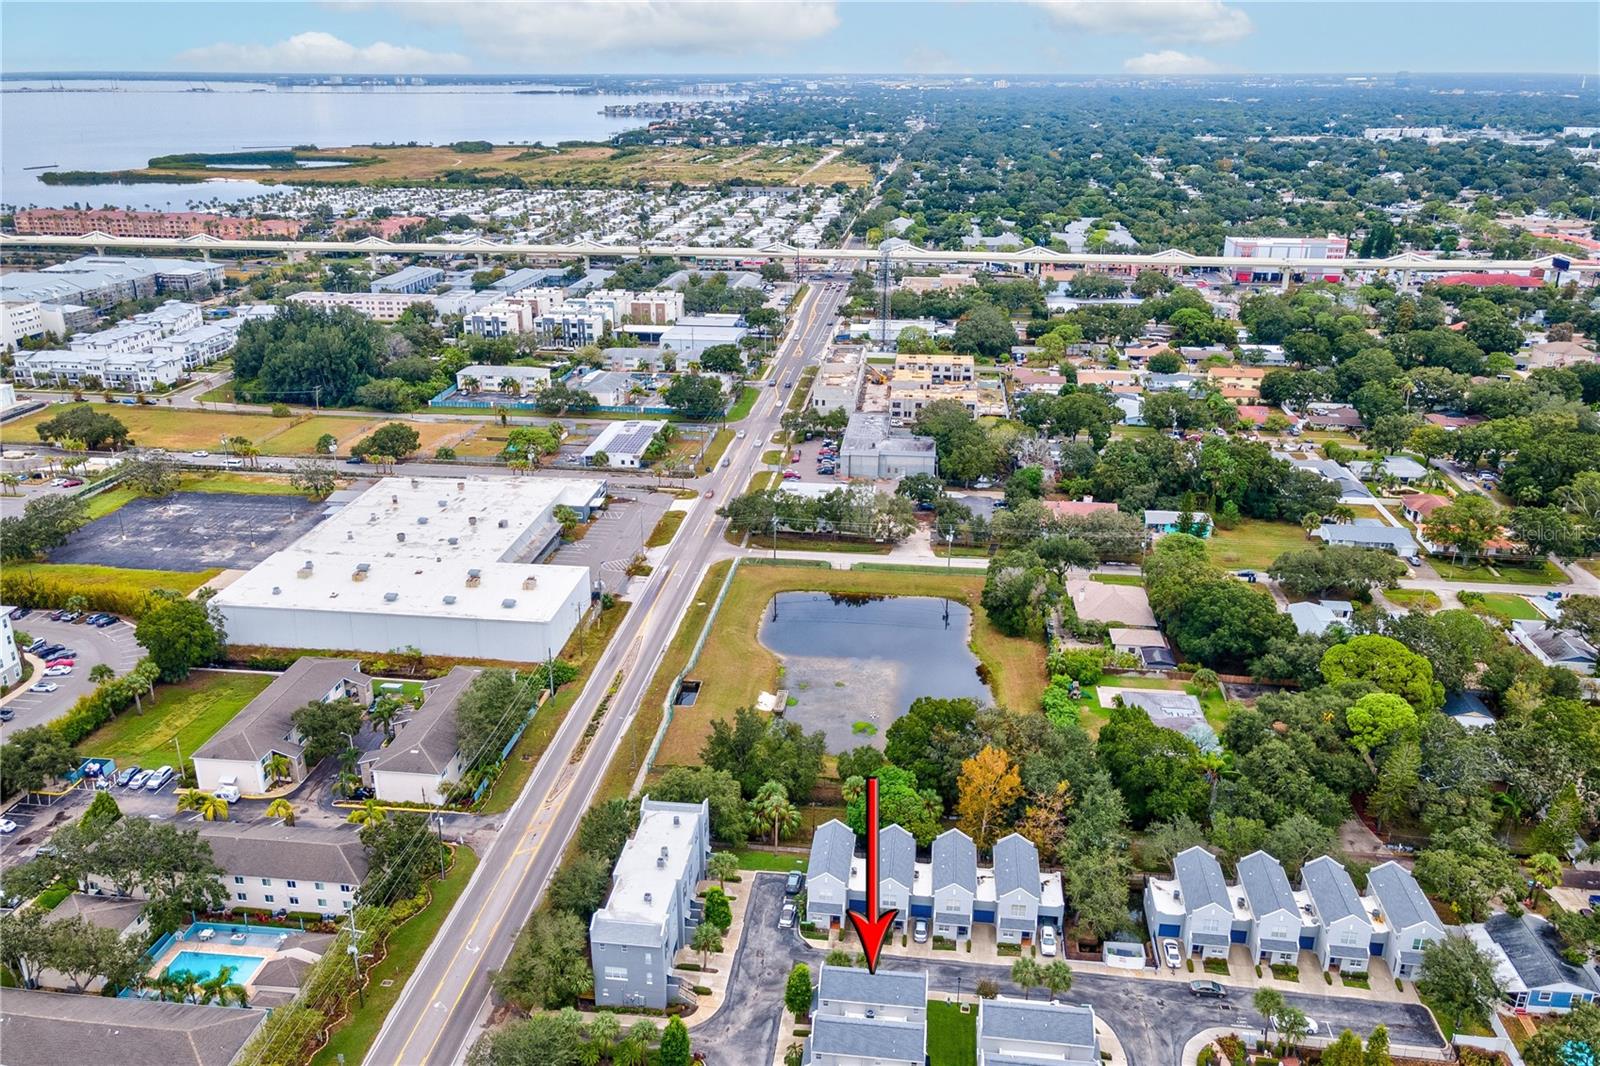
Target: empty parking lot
[(192, 531)]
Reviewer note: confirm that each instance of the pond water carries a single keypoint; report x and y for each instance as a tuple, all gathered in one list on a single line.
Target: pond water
[(850, 659)]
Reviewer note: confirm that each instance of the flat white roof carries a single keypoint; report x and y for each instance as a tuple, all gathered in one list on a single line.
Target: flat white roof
[(419, 539), (636, 875)]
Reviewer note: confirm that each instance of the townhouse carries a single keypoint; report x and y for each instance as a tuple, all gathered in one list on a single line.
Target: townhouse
[(1019, 891), (858, 1017), (1022, 1032), (1277, 924), (1345, 935), (955, 885), (651, 910), (1194, 907), (897, 872), (941, 367), (1409, 922), (833, 852)]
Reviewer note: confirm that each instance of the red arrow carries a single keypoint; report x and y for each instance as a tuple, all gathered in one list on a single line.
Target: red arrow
[(872, 927)]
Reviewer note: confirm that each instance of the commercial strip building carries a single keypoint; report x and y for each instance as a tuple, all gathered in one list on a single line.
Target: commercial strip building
[(446, 566), (651, 910), (872, 448), (1274, 923), (951, 891)]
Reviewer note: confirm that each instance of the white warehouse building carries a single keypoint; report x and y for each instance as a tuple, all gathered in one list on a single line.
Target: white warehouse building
[(443, 565)]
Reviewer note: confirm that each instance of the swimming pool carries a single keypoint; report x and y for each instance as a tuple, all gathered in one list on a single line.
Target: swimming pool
[(207, 964)]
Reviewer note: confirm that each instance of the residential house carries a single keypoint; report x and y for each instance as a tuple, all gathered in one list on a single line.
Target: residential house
[(1333, 416), (1351, 490), (1078, 508), (503, 380), (1410, 922), (1276, 924), (1316, 617), (1555, 647), (833, 851), (1257, 414), (1149, 645), (1553, 354), (955, 884), (1368, 533), (1345, 934), (862, 1018), (47, 1029), (241, 752), (423, 761), (1402, 468), (1419, 505), (1016, 889), (1244, 380), (1027, 379), (1159, 523), (1194, 907), (651, 910), (1451, 422), (1097, 601), (1022, 1032), (1527, 954)]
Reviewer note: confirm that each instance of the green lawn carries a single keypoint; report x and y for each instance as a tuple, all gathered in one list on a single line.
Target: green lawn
[(1118, 579), (714, 450), (741, 407), (1408, 598), (188, 712), (1509, 605), (1254, 543), (388, 978), (952, 1036), (753, 859), (1541, 573), (665, 529)]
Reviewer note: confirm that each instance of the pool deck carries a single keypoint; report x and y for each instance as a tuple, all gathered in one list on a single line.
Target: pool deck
[(265, 943)]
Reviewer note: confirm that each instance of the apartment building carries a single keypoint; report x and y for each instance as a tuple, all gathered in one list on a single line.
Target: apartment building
[(651, 910), (941, 367), (20, 320), (1022, 1032), (840, 375), (411, 279), (71, 222), (378, 306), (131, 371), (10, 657), (510, 380), (423, 762), (859, 1017)]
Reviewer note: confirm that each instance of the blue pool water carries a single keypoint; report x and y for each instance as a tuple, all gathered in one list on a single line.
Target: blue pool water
[(207, 964)]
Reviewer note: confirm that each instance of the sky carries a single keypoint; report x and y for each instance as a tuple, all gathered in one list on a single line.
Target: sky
[(802, 36)]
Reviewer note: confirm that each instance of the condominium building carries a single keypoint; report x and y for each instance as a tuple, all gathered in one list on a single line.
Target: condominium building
[(69, 222), (1022, 1032), (860, 1017), (941, 367), (411, 279), (378, 306)]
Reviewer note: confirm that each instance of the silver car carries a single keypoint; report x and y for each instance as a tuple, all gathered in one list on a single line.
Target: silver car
[(786, 917)]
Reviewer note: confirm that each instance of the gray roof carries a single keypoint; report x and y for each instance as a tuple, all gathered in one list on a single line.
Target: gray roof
[(833, 847), (897, 855), (869, 432), (116, 913), (1017, 1019), (265, 725), (1331, 890), (425, 742), (1400, 898), (886, 988), (48, 1029), (1533, 947), (955, 861), (1265, 885), (877, 1039), (1367, 531), (272, 849), (1016, 865), (1200, 879)]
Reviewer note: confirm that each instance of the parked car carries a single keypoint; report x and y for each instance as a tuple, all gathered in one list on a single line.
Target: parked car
[(71, 482), (354, 460), (794, 884), (786, 917), (1208, 990), (19, 613), (791, 475), (6, 714), (1172, 952), (233, 462), (58, 671), (227, 793), (127, 774), (107, 621), (159, 779), (200, 453), (7, 826), (43, 686), (140, 779), (919, 930), (62, 662), (38, 642), (1047, 940)]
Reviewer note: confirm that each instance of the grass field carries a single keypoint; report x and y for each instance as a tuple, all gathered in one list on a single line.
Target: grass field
[(387, 980), (188, 712), (1118, 579), (741, 407), (1500, 573), (735, 666), (1255, 544), (719, 444), (1511, 606), (665, 529), (1408, 598), (585, 165), (952, 1036), (88, 577), (781, 862)]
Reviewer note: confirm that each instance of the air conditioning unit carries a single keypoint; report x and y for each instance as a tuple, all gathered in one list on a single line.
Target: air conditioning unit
[(449, 600), (390, 597), (529, 582), (508, 603)]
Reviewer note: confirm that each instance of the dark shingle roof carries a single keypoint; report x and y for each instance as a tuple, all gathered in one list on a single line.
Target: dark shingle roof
[(265, 722), (425, 741), (1532, 945), (1400, 897), (1200, 879), (272, 849), (887, 988), (897, 855), (955, 860), (1016, 865), (876, 1039), (832, 849), (1017, 1019), (49, 1029), (1265, 885)]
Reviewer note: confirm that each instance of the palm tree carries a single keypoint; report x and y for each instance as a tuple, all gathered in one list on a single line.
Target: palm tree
[(469, 384), (221, 989), (721, 866), (281, 808), (209, 807), (181, 986), (348, 783), (101, 672), (1025, 974), (1269, 1003), (1343, 514), (369, 813), (772, 810), (1056, 977), (383, 713), (1212, 764), (278, 767), (707, 940)]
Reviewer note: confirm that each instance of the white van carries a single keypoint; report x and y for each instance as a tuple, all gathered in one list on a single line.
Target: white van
[(227, 793)]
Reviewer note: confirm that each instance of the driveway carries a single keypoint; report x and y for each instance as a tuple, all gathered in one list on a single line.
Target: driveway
[(617, 534), (1153, 1019), (114, 645)]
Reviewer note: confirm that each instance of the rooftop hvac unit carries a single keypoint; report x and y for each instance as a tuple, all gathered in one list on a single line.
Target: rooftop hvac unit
[(395, 500), (472, 519), (449, 600), (414, 483), (461, 486), (529, 582), (508, 603), (276, 591), (453, 541), (473, 577), (401, 537), (371, 518), (304, 572), (349, 534), (422, 520), (390, 597), (502, 523), (647, 897), (363, 567), (444, 503)]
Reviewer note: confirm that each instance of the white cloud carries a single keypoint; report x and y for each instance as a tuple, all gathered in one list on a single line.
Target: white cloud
[(925, 59), (1191, 21), (561, 32), (1169, 61), (316, 52)]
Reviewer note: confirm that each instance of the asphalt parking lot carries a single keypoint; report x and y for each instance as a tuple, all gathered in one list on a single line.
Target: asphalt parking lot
[(191, 531), (616, 535), (114, 646)]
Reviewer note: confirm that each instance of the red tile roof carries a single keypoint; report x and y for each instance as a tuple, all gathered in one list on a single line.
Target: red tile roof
[(1518, 281)]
